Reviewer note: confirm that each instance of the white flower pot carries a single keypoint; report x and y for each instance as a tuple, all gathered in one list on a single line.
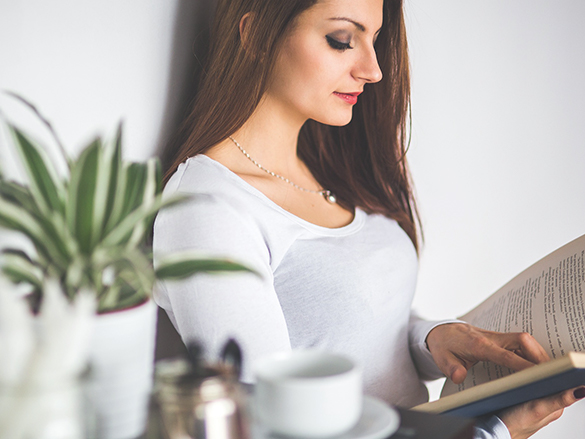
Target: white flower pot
[(121, 359), (41, 412)]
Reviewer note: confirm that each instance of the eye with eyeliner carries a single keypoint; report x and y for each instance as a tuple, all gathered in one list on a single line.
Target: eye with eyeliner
[(336, 44)]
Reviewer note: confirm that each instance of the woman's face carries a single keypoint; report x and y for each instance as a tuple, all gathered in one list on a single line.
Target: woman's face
[(326, 60)]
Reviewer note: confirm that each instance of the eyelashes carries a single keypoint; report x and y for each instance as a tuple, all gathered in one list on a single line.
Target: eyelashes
[(337, 45)]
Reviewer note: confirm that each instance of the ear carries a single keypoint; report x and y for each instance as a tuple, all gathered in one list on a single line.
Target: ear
[(246, 24)]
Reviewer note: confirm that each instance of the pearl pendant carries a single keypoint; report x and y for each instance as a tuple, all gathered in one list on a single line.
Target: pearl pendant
[(329, 197)]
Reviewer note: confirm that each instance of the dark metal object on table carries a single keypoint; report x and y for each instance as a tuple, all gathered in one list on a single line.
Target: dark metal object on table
[(231, 357), (200, 401)]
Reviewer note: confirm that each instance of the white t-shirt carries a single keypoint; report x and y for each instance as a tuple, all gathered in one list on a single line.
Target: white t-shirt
[(347, 290)]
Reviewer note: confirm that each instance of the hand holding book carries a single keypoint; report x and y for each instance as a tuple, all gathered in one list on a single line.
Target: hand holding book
[(457, 347), (546, 301), (526, 419)]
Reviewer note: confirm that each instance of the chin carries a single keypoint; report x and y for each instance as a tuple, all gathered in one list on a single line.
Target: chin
[(336, 121)]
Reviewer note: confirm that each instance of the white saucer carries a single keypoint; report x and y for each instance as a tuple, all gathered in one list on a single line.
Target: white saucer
[(378, 421)]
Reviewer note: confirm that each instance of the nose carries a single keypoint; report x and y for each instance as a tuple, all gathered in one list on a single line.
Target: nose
[(367, 68)]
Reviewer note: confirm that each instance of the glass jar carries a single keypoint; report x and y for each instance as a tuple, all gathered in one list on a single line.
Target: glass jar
[(207, 403)]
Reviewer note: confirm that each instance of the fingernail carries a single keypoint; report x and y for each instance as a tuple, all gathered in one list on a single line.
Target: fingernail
[(579, 393)]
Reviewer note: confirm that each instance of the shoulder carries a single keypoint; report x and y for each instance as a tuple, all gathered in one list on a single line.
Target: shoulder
[(201, 174), (215, 194), (215, 201), (220, 214)]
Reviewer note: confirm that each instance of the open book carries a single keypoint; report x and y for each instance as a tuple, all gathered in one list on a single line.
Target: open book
[(546, 300)]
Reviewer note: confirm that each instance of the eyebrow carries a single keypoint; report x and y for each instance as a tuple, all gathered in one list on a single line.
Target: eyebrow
[(355, 23), (360, 26)]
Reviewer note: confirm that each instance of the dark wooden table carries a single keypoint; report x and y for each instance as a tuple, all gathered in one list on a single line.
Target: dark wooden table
[(416, 425), (413, 425)]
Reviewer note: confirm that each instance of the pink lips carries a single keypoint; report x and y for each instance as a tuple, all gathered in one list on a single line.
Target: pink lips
[(350, 98)]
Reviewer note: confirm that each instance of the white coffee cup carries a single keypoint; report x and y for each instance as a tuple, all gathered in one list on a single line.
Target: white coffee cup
[(308, 393)]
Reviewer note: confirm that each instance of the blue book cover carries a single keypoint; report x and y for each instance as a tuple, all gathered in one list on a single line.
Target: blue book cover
[(536, 382)]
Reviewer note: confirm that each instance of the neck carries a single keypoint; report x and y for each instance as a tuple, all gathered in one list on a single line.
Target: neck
[(270, 135)]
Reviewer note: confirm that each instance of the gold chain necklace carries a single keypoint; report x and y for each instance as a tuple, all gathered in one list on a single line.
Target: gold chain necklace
[(329, 197)]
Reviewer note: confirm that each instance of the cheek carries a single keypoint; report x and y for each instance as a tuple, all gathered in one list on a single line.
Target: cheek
[(313, 63), (306, 68)]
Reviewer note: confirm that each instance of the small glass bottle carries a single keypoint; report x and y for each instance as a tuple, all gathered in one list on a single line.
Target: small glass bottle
[(199, 401)]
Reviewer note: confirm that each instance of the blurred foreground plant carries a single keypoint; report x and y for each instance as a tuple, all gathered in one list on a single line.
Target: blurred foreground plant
[(90, 228)]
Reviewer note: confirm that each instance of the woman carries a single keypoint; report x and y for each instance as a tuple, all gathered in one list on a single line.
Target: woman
[(294, 155)]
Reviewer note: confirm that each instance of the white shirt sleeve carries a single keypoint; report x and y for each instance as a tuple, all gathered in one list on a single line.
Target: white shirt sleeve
[(210, 308), (417, 335), (492, 428)]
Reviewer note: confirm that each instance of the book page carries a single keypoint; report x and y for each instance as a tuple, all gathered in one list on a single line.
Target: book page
[(546, 300)]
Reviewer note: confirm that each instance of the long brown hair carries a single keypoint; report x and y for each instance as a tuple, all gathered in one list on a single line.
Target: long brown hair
[(363, 162)]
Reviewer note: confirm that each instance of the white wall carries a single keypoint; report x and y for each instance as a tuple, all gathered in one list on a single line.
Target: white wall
[(89, 64), (498, 102), (498, 146)]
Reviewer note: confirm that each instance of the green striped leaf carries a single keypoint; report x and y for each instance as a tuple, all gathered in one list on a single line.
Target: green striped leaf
[(82, 195), (57, 239), (57, 243), (15, 252), (158, 177), (181, 266), (16, 218), (125, 295), (114, 152), (151, 184), (102, 191), (135, 182), (41, 232), (129, 195), (116, 214), (20, 195), (110, 299), (20, 268), (46, 187), (46, 122), (133, 281), (141, 269), (17, 275), (122, 231), (76, 275), (148, 197)]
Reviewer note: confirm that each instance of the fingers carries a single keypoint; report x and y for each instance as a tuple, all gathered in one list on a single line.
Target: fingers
[(504, 358), (552, 407), (564, 399), (458, 373), (526, 419), (498, 348), (517, 351), (453, 367), (457, 346), (523, 344), (546, 410)]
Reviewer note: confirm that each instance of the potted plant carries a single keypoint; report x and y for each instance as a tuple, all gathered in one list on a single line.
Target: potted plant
[(89, 229)]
